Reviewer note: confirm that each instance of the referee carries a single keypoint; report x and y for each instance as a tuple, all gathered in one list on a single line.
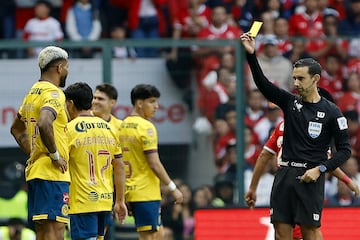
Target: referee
[(311, 124)]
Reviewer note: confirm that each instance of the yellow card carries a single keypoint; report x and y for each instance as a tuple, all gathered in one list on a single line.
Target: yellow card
[(255, 28)]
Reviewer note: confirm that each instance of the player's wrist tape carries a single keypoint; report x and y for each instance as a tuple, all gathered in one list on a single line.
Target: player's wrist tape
[(55, 156), (171, 186), (346, 179)]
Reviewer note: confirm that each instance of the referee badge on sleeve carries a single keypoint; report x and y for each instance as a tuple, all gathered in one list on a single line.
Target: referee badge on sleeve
[(342, 123), (314, 129)]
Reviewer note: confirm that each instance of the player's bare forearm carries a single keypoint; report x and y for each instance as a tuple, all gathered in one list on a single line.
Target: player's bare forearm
[(46, 130), (346, 179), (119, 179), (18, 130), (263, 159), (157, 167), (338, 173)]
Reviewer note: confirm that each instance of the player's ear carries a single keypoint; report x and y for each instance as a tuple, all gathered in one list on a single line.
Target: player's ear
[(316, 77)]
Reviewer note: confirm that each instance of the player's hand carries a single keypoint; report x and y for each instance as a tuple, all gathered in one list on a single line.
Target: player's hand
[(354, 187), (178, 196), (61, 163), (250, 198), (120, 211), (311, 175), (248, 42)]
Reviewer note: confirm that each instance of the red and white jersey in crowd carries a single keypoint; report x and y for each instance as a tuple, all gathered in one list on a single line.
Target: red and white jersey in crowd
[(226, 31), (301, 24), (187, 23), (48, 29), (322, 42), (332, 83)]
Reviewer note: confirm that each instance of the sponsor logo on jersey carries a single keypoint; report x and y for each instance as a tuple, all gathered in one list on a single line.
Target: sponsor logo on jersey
[(320, 114), (93, 196), (314, 129), (342, 123), (66, 197), (85, 126), (150, 132), (297, 105), (65, 209), (54, 94)]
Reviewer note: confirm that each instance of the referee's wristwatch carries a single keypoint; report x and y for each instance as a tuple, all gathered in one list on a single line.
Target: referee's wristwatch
[(322, 168)]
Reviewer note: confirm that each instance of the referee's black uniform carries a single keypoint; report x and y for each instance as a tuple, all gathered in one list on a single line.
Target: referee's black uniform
[(308, 133)]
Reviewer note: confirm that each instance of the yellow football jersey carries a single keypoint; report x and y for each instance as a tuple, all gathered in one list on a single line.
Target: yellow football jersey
[(45, 95), (115, 122), (93, 145), (138, 137)]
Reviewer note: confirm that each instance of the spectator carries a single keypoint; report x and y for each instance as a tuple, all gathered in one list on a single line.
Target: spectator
[(298, 50), (221, 143), (242, 14), (186, 24), (332, 77), (224, 189), (254, 110), (222, 108), (352, 118), (116, 12), (350, 25), (267, 29), (24, 11), (42, 27), (281, 29), (208, 58), (145, 21), (201, 198), (307, 23), (211, 94), (351, 98), (277, 68), (83, 24), (329, 43), (119, 33), (7, 24)]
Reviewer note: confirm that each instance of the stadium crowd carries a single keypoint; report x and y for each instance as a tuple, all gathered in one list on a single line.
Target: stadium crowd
[(327, 30)]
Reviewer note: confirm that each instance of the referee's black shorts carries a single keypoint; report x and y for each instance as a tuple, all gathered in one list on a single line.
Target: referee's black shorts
[(294, 202)]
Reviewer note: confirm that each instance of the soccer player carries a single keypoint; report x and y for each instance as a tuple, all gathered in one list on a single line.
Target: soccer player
[(104, 99), (144, 170), (95, 153), (312, 124), (39, 129)]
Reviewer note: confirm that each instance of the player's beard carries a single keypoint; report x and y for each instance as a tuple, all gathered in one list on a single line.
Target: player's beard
[(63, 81)]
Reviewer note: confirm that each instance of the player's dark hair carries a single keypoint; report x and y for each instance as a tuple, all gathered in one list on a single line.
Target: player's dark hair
[(143, 91), (53, 63), (313, 66), (108, 89), (81, 94)]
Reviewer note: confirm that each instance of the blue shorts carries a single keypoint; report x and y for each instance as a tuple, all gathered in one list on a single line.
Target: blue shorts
[(48, 200), (87, 225), (109, 219), (147, 215)]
